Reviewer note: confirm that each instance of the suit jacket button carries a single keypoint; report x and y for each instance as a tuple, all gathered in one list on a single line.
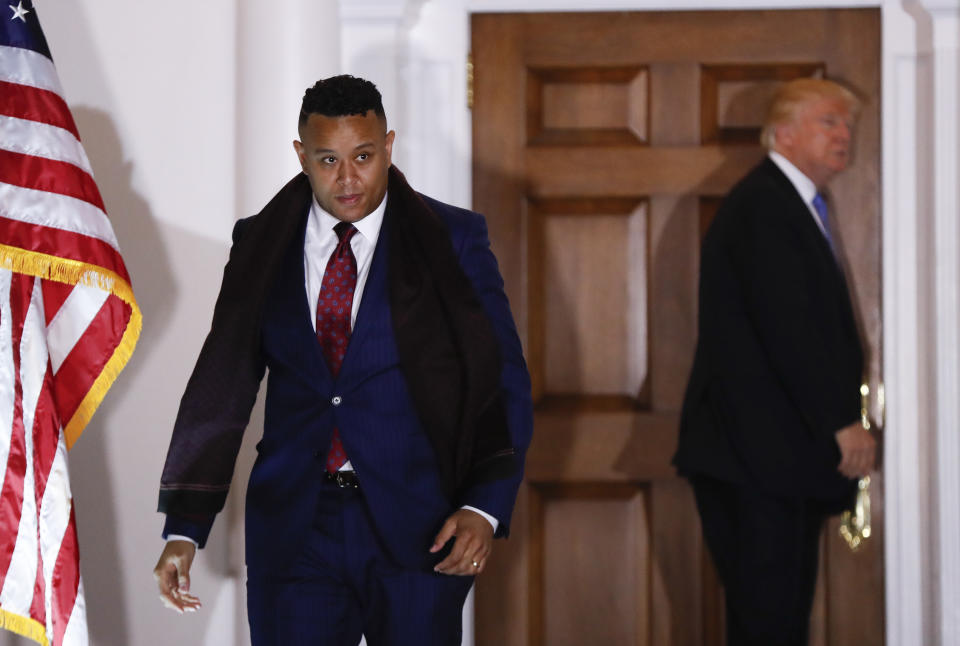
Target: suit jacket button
[(337, 400)]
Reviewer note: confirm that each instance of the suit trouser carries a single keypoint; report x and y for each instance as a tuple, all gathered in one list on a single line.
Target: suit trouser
[(765, 550), (344, 584)]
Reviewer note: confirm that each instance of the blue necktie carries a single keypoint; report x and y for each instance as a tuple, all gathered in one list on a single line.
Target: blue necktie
[(821, 207)]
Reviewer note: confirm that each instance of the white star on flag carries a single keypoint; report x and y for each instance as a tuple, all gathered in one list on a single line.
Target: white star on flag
[(19, 12)]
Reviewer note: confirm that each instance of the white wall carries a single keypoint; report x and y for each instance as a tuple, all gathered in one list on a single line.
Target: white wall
[(187, 112)]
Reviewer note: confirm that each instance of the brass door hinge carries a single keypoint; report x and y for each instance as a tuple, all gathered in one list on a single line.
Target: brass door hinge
[(470, 81)]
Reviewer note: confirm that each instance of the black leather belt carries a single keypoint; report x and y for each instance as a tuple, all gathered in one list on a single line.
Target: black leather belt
[(343, 479)]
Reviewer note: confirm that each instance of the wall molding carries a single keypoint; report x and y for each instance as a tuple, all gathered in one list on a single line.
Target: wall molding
[(945, 164)]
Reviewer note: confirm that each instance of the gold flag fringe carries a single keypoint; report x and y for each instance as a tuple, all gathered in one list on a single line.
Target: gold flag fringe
[(74, 272), (24, 626), (106, 378)]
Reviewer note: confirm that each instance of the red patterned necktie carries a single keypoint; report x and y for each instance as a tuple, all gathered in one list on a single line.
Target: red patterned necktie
[(333, 319)]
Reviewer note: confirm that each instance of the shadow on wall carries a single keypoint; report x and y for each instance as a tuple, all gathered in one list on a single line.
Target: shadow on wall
[(92, 473), (116, 467)]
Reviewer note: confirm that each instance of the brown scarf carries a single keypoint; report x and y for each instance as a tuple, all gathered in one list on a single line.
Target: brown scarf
[(448, 353)]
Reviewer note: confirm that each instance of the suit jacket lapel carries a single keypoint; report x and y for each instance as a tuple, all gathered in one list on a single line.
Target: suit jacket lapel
[(799, 213), (372, 342), (288, 314)]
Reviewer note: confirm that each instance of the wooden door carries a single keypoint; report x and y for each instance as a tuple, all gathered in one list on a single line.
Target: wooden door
[(602, 145)]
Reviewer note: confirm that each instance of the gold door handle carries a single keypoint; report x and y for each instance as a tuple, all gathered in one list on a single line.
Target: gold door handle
[(855, 523)]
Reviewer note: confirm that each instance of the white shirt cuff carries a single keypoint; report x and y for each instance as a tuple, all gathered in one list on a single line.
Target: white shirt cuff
[(490, 519), (179, 537)]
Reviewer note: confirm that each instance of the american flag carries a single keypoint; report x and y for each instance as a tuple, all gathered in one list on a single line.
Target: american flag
[(68, 324)]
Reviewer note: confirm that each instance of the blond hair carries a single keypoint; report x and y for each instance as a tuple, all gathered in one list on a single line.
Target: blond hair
[(793, 95)]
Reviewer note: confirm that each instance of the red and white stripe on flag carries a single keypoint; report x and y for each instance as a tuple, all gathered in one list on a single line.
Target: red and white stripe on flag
[(68, 325)]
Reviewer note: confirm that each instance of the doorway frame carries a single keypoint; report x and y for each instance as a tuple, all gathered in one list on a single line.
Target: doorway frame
[(416, 52)]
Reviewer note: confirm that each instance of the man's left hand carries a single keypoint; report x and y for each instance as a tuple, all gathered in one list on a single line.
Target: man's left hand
[(473, 544), (858, 450)]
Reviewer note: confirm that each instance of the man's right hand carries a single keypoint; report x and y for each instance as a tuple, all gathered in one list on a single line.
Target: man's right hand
[(173, 576), (858, 450)]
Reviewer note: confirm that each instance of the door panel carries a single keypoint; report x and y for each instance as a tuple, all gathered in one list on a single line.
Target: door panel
[(603, 143)]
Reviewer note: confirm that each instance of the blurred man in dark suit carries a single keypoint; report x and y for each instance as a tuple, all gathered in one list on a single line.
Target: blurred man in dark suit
[(770, 436)]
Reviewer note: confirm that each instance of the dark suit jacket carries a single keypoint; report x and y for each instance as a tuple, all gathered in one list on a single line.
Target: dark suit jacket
[(382, 414), (778, 362)]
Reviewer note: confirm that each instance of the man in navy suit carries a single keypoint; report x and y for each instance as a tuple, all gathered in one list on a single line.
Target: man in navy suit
[(398, 402), (770, 435)]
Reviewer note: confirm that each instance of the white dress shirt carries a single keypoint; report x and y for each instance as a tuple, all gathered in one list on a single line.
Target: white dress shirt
[(319, 244), (804, 185)]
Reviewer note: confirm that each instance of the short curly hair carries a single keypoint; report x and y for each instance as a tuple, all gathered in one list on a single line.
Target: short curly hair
[(341, 96)]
